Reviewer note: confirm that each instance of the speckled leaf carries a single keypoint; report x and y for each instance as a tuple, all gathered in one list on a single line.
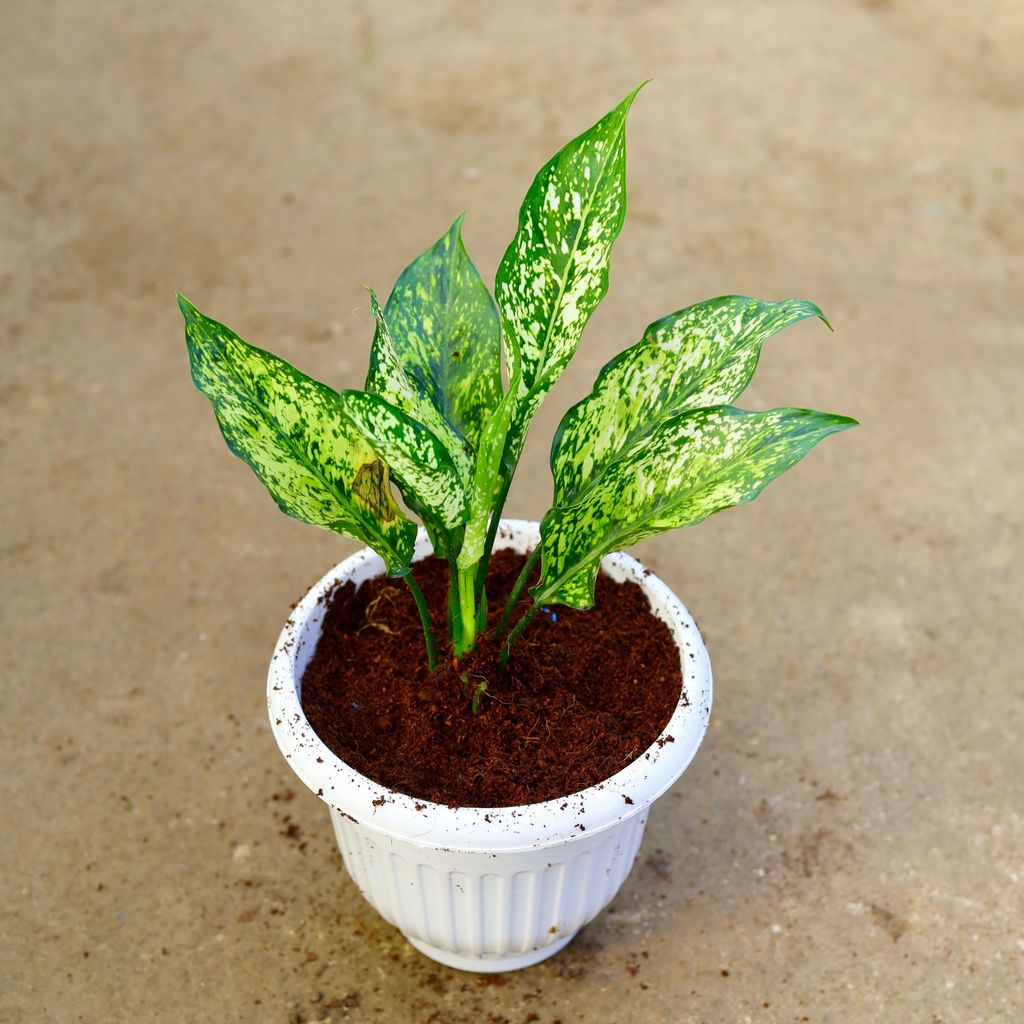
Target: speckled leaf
[(295, 435), (419, 463), (555, 270), (486, 480), (695, 464), (702, 356), (388, 379), (447, 335)]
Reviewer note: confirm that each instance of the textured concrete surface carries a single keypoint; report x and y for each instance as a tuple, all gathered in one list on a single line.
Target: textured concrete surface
[(848, 844)]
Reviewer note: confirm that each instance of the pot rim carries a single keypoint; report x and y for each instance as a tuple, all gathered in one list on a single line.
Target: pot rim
[(487, 829)]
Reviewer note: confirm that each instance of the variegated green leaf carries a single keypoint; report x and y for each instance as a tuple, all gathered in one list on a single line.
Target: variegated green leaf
[(486, 480), (702, 356), (555, 270), (295, 435), (695, 464), (447, 335), (388, 379), (419, 463)]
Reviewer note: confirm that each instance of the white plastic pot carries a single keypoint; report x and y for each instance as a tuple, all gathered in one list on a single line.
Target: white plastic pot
[(488, 889)]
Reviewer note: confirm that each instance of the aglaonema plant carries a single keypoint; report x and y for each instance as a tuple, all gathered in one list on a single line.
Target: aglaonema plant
[(657, 444)]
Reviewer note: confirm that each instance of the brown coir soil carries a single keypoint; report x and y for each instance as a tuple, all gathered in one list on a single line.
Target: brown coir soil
[(583, 695)]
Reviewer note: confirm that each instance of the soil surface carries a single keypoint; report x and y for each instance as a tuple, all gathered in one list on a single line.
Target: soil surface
[(583, 695)]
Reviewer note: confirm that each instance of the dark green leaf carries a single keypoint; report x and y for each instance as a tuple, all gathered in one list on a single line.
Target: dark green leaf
[(388, 379), (446, 334)]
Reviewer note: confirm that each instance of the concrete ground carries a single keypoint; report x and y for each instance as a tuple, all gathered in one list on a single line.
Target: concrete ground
[(849, 843)]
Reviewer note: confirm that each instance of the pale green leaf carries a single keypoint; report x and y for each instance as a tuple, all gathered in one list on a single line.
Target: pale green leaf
[(447, 335), (295, 435), (692, 465), (486, 480), (388, 379), (419, 462), (701, 356), (555, 270)]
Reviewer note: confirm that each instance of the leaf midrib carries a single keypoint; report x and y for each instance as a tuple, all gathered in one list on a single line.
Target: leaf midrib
[(447, 409), (569, 258)]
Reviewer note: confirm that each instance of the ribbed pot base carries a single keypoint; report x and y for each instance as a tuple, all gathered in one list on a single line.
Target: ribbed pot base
[(491, 964)]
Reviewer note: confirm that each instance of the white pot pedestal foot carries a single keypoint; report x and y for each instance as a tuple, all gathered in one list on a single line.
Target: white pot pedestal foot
[(493, 963)]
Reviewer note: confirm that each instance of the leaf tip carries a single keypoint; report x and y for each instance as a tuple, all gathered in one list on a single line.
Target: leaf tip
[(824, 319), (803, 309), (188, 311), (628, 101), (833, 423)]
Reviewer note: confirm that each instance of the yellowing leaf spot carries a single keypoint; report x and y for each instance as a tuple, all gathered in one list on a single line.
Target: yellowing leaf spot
[(370, 486)]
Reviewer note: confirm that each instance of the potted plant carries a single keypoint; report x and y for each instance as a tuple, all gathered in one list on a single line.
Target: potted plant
[(656, 444)]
